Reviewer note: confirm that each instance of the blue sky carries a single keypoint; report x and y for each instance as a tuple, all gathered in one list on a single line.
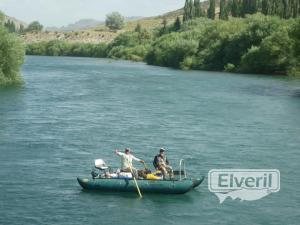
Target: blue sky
[(63, 12)]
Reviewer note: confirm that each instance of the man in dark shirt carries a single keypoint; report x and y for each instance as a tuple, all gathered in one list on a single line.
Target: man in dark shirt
[(161, 163)]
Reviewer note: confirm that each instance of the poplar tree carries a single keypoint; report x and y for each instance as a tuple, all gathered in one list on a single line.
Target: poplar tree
[(191, 9), (295, 9), (177, 24), (253, 6), (245, 7), (223, 10), (164, 29), (10, 26), (21, 30), (235, 8), (186, 11), (277, 8), (138, 28), (286, 13), (197, 8), (265, 7), (211, 10)]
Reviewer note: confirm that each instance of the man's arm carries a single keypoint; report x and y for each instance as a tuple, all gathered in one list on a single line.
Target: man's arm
[(119, 153), (167, 161), (137, 159)]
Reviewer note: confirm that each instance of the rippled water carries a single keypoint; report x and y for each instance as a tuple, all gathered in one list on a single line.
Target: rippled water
[(73, 110)]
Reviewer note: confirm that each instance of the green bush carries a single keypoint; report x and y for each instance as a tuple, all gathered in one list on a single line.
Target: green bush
[(229, 67), (255, 44), (11, 57), (171, 50), (273, 56)]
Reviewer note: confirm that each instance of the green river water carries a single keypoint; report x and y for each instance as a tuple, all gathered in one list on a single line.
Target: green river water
[(71, 111)]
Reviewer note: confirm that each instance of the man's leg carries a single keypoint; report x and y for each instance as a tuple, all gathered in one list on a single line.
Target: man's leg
[(170, 171), (134, 171), (164, 172)]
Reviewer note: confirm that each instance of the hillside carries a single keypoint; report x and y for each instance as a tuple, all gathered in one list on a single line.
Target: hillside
[(79, 25), (82, 31), (92, 31), (97, 34)]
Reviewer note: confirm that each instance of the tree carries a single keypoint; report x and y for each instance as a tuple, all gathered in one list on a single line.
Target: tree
[(185, 11), (253, 6), (223, 10), (21, 30), (235, 8), (211, 10), (138, 28), (11, 57), (34, 26), (189, 11), (249, 7), (177, 24), (245, 7), (286, 11), (115, 21), (164, 29), (265, 7), (10, 26), (198, 10), (2, 18), (295, 9)]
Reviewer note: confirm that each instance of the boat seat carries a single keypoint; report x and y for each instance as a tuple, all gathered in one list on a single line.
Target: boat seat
[(100, 164)]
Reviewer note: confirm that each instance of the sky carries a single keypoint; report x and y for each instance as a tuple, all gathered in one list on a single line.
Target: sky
[(62, 12)]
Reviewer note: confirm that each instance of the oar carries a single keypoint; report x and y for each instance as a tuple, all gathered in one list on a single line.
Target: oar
[(136, 184)]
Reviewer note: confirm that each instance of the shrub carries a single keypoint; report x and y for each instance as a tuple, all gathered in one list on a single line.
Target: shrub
[(11, 57)]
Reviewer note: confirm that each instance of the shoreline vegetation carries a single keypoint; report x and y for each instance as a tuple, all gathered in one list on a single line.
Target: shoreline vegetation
[(256, 44), (12, 52)]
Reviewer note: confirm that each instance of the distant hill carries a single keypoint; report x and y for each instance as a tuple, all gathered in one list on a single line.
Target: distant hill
[(85, 24), (79, 25)]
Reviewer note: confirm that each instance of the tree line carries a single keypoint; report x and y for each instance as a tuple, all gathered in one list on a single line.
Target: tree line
[(240, 8), (34, 26), (63, 48)]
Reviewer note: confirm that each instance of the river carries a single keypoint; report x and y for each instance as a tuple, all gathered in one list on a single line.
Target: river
[(71, 111)]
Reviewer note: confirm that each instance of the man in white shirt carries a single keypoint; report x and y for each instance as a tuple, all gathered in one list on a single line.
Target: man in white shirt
[(126, 161)]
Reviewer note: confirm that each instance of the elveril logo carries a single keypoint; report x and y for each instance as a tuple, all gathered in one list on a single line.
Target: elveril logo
[(243, 184)]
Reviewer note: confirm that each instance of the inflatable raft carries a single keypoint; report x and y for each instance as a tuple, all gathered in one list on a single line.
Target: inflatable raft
[(178, 185)]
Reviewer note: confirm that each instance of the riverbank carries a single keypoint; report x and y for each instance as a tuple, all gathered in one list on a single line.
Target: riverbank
[(255, 44)]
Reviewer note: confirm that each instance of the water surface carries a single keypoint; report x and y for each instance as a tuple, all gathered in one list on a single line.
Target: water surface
[(73, 110)]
